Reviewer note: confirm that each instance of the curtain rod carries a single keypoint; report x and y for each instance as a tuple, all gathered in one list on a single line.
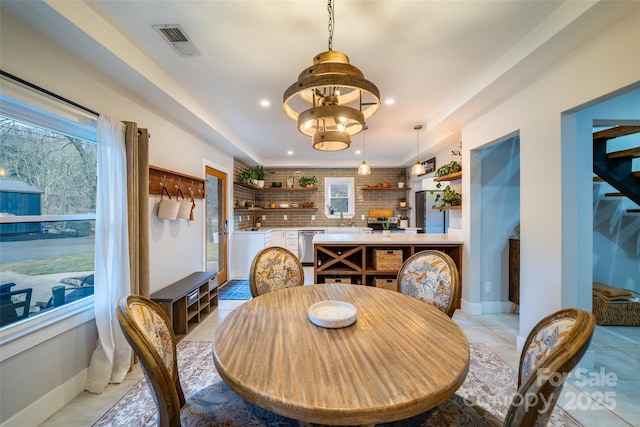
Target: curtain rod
[(38, 88)]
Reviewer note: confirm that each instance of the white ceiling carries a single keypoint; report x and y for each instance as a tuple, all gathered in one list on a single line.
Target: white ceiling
[(443, 62)]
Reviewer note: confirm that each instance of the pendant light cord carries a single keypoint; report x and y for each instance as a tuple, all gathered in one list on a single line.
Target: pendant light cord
[(364, 132), (331, 23)]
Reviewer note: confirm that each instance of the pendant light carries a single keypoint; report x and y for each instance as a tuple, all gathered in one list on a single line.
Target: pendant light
[(364, 168), (331, 99), (418, 168)]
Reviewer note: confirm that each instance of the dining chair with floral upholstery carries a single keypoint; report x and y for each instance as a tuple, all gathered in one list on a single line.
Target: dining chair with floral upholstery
[(431, 276), (274, 268), (147, 329), (552, 349)]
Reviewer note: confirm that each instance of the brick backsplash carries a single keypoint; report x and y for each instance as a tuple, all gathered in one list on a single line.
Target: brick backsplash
[(365, 200)]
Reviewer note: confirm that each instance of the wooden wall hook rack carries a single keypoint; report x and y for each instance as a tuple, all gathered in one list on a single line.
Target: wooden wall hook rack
[(172, 179)]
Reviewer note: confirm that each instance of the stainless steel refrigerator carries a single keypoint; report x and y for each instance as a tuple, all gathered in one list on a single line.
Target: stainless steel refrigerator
[(430, 220)]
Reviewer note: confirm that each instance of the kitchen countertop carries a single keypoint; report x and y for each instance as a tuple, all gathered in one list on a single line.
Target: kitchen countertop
[(328, 230), (357, 238)]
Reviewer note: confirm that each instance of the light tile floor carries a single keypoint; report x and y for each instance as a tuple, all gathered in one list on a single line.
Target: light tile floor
[(615, 353)]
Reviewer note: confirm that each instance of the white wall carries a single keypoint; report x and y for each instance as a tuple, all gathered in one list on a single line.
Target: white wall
[(176, 247), (597, 67), (500, 193)]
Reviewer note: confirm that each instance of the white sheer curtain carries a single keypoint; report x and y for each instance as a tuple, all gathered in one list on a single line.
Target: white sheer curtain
[(111, 359)]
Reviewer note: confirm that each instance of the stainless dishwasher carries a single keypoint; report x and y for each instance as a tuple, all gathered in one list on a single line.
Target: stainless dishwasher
[(305, 245)]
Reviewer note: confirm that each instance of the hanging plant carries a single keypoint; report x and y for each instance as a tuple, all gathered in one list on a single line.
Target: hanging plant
[(446, 196)]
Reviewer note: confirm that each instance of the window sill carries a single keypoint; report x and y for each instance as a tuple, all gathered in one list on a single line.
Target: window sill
[(26, 334), (345, 215)]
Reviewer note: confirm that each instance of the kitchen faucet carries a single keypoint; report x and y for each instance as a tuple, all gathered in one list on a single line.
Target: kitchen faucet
[(341, 219)]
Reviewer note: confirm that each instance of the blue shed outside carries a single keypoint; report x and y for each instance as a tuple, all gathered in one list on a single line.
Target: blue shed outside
[(19, 198)]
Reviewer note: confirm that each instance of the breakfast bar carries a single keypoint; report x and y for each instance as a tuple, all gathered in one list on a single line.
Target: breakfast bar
[(374, 259)]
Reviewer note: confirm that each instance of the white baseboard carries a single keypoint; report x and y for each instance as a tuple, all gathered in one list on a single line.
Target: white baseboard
[(38, 411), (471, 308), (489, 307)]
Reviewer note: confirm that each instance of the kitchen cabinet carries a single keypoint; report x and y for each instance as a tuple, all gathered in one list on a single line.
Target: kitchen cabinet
[(245, 246), (291, 241), (278, 238)]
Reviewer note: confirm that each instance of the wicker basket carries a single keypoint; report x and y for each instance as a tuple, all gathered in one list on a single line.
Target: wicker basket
[(341, 280), (616, 313), (387, 259), (391, 284)]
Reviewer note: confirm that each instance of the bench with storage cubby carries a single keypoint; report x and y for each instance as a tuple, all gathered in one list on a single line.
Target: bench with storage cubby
[(188, 301)]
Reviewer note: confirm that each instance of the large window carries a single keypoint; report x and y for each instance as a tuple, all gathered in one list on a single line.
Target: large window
[(48, 165), (339, 197)]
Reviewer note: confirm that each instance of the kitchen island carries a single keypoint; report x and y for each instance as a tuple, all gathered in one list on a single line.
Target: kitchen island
[(373, 259)]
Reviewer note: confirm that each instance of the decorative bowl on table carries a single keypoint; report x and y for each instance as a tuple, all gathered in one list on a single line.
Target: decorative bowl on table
[(332, 314)]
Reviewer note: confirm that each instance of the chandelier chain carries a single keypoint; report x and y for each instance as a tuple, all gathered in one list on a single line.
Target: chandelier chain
[(331, 23)]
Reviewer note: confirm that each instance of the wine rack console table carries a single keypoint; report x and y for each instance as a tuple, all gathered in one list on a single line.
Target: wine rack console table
[(349, 258)]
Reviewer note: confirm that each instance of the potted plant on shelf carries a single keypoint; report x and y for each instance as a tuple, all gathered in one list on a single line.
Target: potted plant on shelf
[(446, 196), (453, 166), (248, 176), (448, 169), (331, 209), (404, 221), (403, 202), (259, 174), (402, 177), (307, 182)]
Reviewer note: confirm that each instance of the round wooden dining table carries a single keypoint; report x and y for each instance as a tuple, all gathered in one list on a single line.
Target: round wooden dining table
[(401, 357)]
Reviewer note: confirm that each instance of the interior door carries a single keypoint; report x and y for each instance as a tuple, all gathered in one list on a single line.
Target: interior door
[(216, 220)]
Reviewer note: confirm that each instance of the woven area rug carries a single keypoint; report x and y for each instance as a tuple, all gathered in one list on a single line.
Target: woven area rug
[(490, 383), (235, 290)]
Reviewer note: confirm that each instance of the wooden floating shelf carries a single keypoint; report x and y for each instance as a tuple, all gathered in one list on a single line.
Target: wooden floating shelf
[(277, 209), (385, 189), (450, 177), (173, 180), (447, 208), (290, 188), (255, 187)]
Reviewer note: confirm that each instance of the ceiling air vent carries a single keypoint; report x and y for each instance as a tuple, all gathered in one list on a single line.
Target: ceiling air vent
[(178, 39)]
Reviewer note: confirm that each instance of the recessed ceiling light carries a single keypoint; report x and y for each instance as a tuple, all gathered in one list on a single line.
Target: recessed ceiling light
[(265, 103), (290, 152), (390, 101)]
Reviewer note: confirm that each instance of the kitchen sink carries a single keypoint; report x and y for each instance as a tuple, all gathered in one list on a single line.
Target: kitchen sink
[(343, 230)]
